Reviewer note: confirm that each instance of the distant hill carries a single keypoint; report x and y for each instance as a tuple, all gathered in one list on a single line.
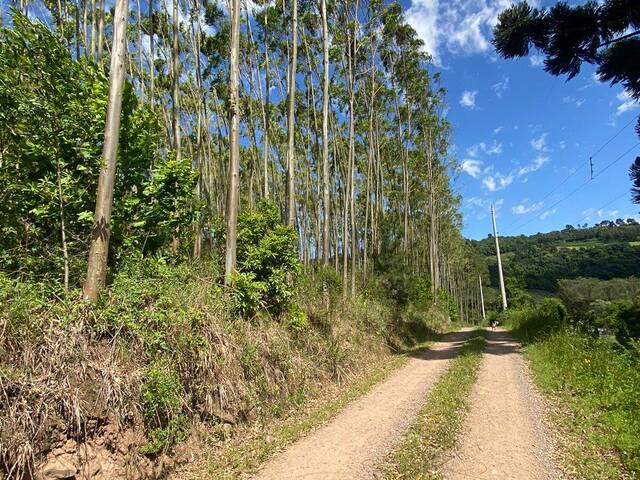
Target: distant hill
[(610, 249)]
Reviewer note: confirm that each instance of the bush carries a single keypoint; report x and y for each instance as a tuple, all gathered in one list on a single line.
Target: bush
[(267, 262), (161, 398)]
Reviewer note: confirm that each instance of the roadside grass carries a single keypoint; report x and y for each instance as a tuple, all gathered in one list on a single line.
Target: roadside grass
[(594, 390), (245, 453), (441, 419)]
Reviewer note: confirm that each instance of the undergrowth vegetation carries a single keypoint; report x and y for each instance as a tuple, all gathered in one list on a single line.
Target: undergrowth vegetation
[(164, 352), (596, 382)]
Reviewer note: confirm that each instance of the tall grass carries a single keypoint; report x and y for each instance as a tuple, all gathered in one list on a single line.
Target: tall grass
[(596, 383), (162, 353)]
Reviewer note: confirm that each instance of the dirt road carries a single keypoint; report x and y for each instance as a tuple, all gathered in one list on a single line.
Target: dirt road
[(504, 437), (351, 445)]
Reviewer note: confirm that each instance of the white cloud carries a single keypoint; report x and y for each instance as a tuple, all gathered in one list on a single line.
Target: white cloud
[(490, 183), (592, 213), (458, 26), (498, 130), (535, 165), (536, 61), (472, 167), (496, 182), (522, 209), (483, 204), (628, 103), (548, 213), (500, 87), (468, 99), (573, 100), (494, 148), (540, 143)]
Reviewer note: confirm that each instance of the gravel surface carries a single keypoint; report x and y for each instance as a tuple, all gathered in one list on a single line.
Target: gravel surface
[(504, 436), (355, 441)]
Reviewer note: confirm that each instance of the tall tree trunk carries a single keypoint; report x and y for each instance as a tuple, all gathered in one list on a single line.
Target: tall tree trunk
[(99, 251), (266, 110), (175, 92), (234, 144), (140, 56), (63, 231), (100, 45), (291, 156), (152, 53), (94, 30), (326, 200)]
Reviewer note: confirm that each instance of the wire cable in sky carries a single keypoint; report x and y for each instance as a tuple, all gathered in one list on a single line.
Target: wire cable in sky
[(572, 173), (573, 192)]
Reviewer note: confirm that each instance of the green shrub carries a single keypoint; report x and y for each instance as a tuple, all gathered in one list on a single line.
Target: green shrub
[(296, 319), (161, 397), (246, 299), (267, 262)]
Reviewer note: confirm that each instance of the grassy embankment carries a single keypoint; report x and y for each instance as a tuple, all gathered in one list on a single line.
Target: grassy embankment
[(161, 360), (594, 387)]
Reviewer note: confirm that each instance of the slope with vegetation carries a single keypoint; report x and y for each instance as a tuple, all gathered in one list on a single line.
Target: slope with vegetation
[(537, 262), (203, 318)]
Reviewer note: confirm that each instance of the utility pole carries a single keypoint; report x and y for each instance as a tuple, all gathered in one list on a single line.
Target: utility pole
[(495, 235), (482, 299)]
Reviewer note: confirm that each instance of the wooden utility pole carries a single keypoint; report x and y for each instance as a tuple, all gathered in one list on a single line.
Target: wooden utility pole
[(99, 250), (234, 145), (482, 299), (495, 235)]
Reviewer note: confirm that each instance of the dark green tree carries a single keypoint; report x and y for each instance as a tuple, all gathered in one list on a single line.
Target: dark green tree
[(605, 35), (634, 174)]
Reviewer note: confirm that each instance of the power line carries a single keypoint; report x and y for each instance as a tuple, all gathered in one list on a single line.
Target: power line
[(604, 206), (573, 192), (571, 174), (612, 138), (615, 161)]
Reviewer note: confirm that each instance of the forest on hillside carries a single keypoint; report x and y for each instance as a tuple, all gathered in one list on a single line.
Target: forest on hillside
[(604, 251)]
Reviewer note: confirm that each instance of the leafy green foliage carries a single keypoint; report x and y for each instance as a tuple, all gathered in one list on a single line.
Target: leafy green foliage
[(610, 307), (51, 131), (165, 209), (161, 397), (267, 261)]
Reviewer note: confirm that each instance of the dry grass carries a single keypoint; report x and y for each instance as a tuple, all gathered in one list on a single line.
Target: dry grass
[(68, 371)]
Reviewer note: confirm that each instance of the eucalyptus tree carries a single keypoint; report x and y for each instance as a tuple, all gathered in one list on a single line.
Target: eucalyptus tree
[(99, 251), (234, 144)]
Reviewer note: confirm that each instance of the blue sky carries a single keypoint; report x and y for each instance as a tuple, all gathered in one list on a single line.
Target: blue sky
[(523, 137)]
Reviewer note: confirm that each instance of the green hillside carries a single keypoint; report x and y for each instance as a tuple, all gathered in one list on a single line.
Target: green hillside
[(605, 251)]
